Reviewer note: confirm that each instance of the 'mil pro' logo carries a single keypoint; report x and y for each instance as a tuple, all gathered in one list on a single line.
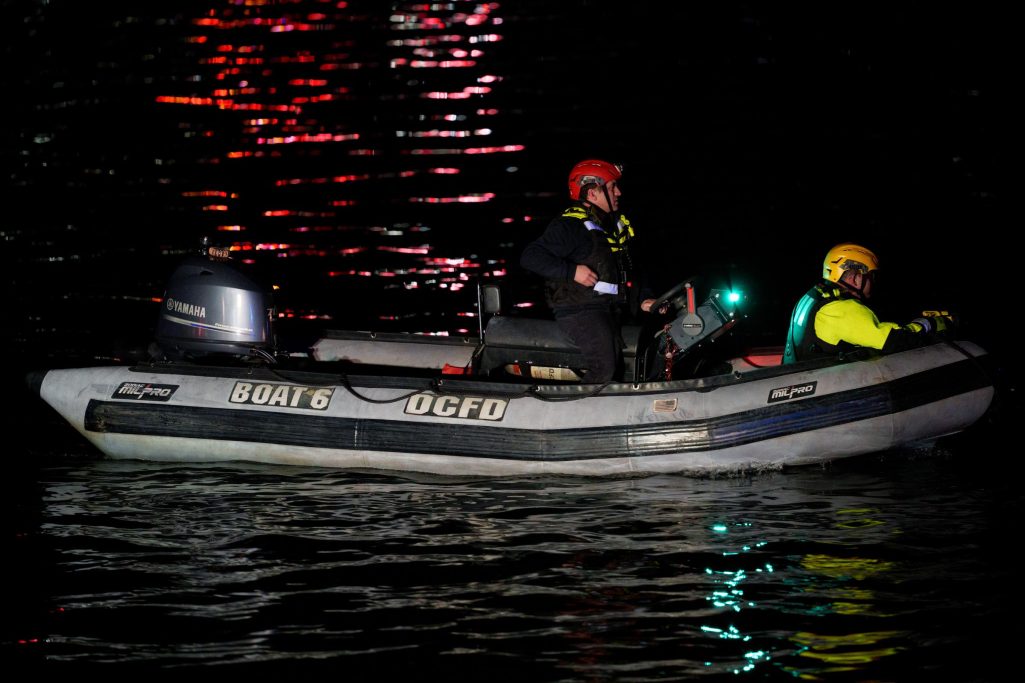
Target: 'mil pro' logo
[(144, 391), (792, 391)]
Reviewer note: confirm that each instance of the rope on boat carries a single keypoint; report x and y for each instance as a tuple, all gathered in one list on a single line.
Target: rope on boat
[(438, 387), (344, 381), (534, 393)]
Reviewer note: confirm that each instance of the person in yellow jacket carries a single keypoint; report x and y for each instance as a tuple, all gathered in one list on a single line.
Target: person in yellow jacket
[(832, 316)]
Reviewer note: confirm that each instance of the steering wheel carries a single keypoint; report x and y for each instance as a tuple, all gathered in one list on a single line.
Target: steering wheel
[(671, 296)]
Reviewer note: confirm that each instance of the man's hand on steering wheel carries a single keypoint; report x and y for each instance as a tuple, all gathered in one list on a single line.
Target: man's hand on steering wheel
[(664, 303)]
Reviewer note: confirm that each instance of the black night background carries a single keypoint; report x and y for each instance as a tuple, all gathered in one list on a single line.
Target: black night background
[(754, 138)]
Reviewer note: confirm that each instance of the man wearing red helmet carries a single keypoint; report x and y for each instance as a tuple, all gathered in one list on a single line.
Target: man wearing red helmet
[(584, 257)]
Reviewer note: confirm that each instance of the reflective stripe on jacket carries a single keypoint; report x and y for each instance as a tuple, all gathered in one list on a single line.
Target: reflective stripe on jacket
[(608, 257)]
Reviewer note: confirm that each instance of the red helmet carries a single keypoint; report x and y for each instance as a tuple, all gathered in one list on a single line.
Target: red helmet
[(592, 172)]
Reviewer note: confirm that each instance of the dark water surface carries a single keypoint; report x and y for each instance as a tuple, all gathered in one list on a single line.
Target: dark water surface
[(893, 567)]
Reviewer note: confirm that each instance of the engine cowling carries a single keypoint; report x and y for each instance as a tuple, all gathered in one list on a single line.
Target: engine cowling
[(211, 308)]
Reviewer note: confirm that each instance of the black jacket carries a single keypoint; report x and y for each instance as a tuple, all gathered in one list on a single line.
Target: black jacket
[(569, 241)]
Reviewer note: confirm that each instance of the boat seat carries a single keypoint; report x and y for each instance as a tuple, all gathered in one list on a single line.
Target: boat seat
[(527, 333), (538, 341)]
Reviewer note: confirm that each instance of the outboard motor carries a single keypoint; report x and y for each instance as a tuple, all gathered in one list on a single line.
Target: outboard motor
[(211, 309)]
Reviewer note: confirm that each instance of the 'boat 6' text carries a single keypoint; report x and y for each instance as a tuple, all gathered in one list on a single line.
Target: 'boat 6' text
[(283, 395)]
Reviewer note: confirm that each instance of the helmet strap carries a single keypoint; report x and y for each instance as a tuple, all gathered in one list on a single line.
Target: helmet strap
[(856, 291), (598, 212), (608, 199)]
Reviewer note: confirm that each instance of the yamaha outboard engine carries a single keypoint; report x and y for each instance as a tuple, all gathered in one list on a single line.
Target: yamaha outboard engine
[(211, 309)]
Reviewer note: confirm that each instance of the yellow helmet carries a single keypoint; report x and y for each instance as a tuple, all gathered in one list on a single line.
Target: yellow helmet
[(848, 256)]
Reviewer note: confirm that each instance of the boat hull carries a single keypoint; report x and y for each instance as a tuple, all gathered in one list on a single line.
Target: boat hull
[(764, 418)]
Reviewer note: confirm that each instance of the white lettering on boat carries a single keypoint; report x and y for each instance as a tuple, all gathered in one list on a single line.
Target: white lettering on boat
[(283, 395), (792, 391), (467, 407), (194, 310), (143, 391)]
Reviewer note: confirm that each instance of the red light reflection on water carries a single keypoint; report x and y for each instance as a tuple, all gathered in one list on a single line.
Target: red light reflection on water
[(462, 199), (405, 250), (267, 101)]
